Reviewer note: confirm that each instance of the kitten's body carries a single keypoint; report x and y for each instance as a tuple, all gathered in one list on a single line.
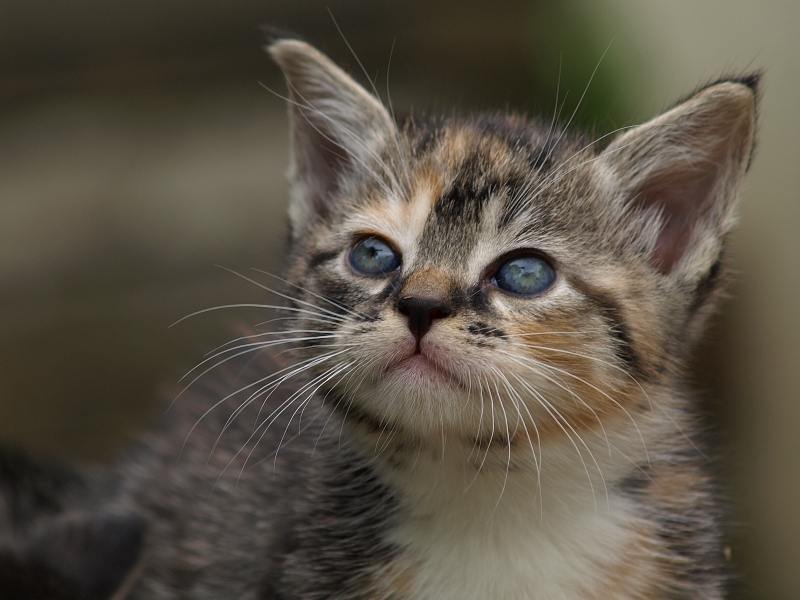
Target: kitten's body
[(457, 436), (325, 516)]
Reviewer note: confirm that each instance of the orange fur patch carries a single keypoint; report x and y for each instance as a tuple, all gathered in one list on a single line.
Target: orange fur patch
[(427, 282), (394, 583), (636, 572), (587, 390)]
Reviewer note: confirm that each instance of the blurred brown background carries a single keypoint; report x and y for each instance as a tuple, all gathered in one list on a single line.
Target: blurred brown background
[(138, 149)]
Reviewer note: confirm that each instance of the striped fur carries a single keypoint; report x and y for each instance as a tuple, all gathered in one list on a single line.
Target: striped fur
[(528, 415), (524, 447)]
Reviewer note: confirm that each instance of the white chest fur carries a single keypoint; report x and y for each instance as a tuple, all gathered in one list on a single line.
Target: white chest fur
[(553, 536)]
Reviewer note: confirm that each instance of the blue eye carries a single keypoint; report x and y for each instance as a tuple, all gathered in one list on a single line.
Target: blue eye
[(374, 256), (525, 275)]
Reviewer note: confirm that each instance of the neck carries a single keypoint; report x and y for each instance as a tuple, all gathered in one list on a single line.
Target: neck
[(512, 521)]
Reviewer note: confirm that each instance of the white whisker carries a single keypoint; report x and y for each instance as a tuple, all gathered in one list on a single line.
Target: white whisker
[(355, 313), (532, 365), (594, 387), (519, 402), (558, 418)]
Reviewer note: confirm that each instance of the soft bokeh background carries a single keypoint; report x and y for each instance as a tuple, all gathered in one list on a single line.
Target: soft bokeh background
[(138, 150)]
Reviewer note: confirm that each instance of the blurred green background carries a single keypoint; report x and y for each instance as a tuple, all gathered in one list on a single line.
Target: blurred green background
[(139, 149)]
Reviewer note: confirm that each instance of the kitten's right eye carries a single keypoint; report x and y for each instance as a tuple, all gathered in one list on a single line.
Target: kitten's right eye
[(374, 256)]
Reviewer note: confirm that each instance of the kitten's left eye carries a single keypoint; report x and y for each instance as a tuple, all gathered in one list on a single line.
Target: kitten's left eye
[(374, 256), (525, 275)]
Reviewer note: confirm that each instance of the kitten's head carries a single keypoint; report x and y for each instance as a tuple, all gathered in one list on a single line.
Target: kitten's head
[(493, 274)]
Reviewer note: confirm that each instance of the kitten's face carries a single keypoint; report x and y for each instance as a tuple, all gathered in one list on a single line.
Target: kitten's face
[(516, 334), (494, 278)]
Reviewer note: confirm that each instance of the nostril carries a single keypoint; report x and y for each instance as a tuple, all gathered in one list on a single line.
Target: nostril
[(439, 313), (421, 312)]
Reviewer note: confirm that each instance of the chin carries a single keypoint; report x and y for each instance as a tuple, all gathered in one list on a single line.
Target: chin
[(419, 399)]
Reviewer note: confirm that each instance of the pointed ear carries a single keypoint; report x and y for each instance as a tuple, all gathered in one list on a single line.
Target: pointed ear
[(681, 172), (335, 125)]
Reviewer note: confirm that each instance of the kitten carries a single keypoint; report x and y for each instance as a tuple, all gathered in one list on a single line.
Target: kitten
[(489, 319)]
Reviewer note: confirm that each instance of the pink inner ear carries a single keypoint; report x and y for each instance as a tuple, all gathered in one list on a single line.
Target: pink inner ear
[(683, 195), (321, 162)]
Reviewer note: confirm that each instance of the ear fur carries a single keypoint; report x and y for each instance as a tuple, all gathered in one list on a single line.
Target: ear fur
[(335, 125), (679, 174)]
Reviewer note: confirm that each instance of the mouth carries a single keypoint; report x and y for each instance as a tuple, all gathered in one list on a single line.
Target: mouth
[(418, 368)]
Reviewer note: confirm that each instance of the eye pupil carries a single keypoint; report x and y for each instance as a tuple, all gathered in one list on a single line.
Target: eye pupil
[(525, 275), (374, 256)]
